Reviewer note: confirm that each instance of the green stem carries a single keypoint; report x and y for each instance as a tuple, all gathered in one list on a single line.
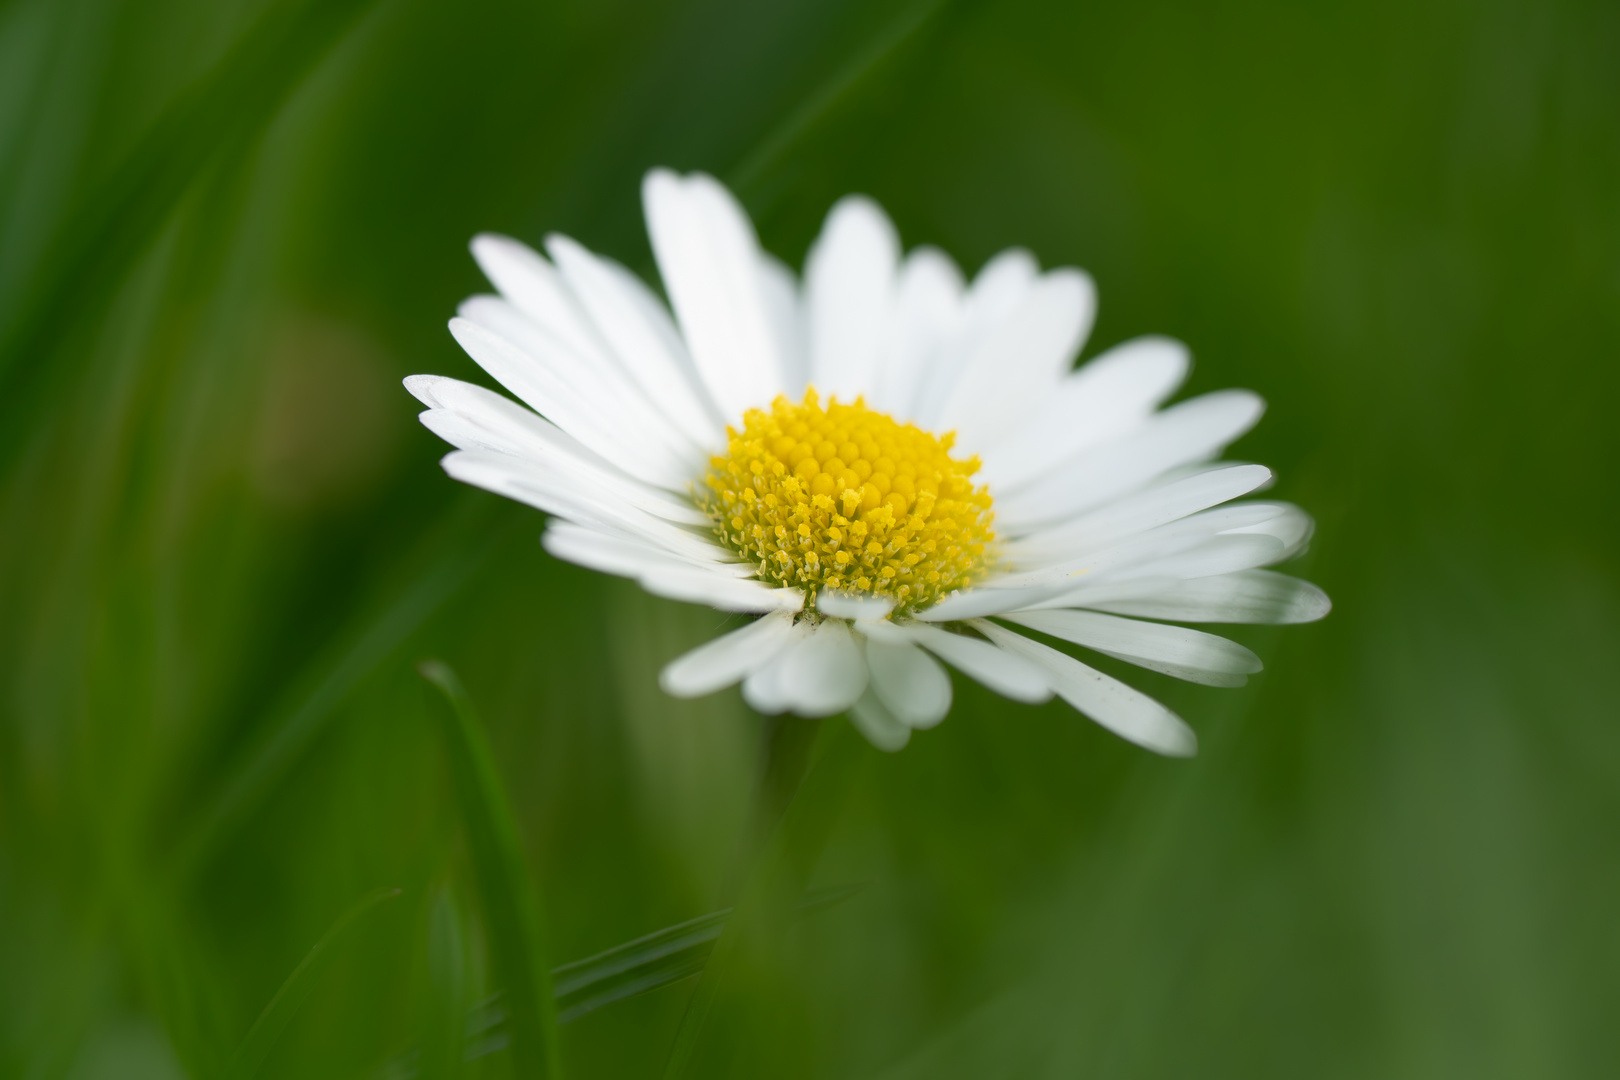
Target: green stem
[(778, 874), (785, 752)]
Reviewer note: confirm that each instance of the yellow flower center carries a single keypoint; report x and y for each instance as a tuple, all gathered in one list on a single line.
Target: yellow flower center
[(843, 497)]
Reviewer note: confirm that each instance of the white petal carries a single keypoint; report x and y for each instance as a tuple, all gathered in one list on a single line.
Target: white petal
[(575, 409), (928, 307), (711, 265), (881, 728), (1292, 527), (1126, 712), (1020, 363), (849, 606), (534, 485), (978, 602), (1249, 596), (478, 419), (996, 293), (819, 673), (909, 682), (1008, 675), (1161, 550), (644, 344), (729, 658), (1180, 435), (625, 556), (1107, 397), (717, 589), (535, 288), (1138, 513), (762, 689), (849, 282), (1174, 650), (784, 307)]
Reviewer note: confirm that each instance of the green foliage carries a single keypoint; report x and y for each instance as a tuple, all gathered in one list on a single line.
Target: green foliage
[(228, 229)]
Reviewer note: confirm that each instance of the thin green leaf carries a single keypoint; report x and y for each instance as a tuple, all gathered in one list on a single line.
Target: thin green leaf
[(637, 967), (774, 887), (444, 1031), (511, 903), (267, 1029), (826, 98)]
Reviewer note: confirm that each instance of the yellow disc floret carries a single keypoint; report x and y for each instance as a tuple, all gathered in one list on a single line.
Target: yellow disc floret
[(844, 497)]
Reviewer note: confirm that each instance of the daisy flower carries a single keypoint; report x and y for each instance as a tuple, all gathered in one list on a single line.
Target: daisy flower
[(890, 466)]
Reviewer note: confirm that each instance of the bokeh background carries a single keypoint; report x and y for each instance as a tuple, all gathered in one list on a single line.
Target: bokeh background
[(228, 229)]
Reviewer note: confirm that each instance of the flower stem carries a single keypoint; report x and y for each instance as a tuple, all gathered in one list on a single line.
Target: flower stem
[(795, 808), (785, 746)]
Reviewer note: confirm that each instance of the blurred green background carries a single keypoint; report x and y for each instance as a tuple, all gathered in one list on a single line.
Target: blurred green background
[(227, 230)]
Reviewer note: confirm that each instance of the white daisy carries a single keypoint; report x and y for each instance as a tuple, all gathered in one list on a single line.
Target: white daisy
[(878, 461)]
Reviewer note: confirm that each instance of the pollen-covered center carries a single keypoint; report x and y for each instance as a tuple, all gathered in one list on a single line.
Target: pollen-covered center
[(843, 497)]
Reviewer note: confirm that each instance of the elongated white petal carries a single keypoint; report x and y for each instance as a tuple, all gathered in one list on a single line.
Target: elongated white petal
[(995, 295), (534, 287), (1148, 552), (644, 345), (531, 483), (1138, 513), (479, 423), (1008, 675), (727, 659), (1111, 394), (818, 674), (1248, 596), (1292, 528), (909, 682), (1126, 712), (979, 602), (928, 307), (849, 281), (625, 556), (572, 409), (719, 590), (1180, 435), (1021, 362), (784, 310), (881, 727), (711, 265), (1174, 650)]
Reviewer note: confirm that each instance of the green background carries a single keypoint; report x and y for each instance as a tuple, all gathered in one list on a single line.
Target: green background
[(227, 230)]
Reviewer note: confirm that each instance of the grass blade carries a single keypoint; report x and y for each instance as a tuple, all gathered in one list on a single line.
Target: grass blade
[(660, 958), (267, 1029), (826, 98), (637, 967), (511, 904)]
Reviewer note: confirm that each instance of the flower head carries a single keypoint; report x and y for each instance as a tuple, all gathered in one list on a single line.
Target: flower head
[(886, 464)]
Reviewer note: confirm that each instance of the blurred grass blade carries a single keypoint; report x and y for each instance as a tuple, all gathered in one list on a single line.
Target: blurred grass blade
[(772, 891), (511, 905), (636, 967), (826, 98), (221, 113), (261, 1038), (444, 1031), (657, 960)]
